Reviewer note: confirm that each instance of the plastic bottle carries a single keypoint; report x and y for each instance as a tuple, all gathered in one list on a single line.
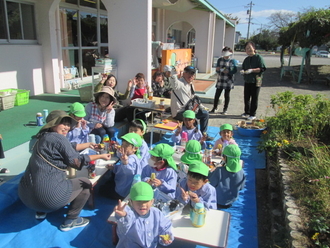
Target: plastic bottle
[(197, 215), (91, 170), (106, 142), (136, 179), (145, 96), (184, 138), (45, 113), (208, 155), (40, 121)]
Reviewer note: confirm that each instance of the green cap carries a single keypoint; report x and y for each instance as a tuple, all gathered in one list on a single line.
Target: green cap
[(192, 152), (143, 124), (164, 151), (226, 127), (233, 153), (77, 109), (141, 191), (199, 167), (133, 139), (189, 114)]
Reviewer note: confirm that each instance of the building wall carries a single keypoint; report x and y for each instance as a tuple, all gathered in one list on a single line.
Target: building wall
[(219, 39)]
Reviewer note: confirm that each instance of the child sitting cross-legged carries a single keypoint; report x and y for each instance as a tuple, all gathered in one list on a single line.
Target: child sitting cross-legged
[(140, 224), (161, 172), (139, 127), (226, 133), (190, 127), (195, 188), (120, 182)]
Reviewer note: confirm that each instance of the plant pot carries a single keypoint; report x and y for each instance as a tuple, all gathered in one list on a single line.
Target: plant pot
[(250, 132)]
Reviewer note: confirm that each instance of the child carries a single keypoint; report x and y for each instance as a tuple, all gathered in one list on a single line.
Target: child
[(192, 152), (229, 179), (163, 167), (190, 127), (195, 188), (140, 87), (139, 127), (123, 173), (226, 133), (142, 225)]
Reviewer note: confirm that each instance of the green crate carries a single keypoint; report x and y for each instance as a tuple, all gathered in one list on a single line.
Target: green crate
[(22, 96)]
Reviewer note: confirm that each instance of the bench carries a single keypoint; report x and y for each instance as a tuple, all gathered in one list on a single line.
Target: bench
[(288, 69)]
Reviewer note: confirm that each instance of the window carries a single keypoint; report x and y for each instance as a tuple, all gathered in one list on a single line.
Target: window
[(17, 22)]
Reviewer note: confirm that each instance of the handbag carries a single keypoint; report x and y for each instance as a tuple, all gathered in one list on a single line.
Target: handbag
[(193, 104)]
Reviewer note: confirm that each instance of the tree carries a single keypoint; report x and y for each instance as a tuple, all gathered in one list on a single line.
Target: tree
[(281, 19), (266, 39)]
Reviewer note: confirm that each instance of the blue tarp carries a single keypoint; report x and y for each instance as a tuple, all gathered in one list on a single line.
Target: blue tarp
[(19, 228)]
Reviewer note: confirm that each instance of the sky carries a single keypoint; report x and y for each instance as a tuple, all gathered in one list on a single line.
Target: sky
[(261, 9)]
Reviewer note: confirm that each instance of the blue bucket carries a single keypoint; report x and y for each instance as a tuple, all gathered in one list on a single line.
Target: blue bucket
[(250, 132)]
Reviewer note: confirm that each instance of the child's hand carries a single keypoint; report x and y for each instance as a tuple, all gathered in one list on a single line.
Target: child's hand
[(193, 196), (83, 124), (119, 209), (184, 194), (134, 82), (124, 157), (98, 125), (110, 106), (156, 182), (166, 239), (204, 137), (178, 129), (92, 145), (106, 156)]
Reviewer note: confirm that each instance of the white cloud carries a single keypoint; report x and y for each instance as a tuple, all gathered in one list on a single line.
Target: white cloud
[(256, 14)]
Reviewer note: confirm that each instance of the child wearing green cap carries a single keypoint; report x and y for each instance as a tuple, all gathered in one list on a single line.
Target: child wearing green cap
[(139, 127), (195, 188), (142, 225), (190, 127), (123, 173), (229, 179), (161, 172), (226, 133)]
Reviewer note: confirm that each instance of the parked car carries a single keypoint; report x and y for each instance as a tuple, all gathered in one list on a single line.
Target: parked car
[(323, 54)]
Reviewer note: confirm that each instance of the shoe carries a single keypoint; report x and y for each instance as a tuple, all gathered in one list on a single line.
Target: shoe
[(213, 111), (224, 113), (40, 215), (4, 170), (79, 222), (245, 115), (251, 118)]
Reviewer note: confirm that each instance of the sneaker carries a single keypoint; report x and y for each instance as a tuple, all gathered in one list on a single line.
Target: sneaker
[(79, 222), (40, 215), (213, 111), (245, 115), (251, 118), (224, 113)]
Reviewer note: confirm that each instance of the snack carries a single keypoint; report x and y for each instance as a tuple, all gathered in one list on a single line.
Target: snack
[(165, 237), (153, 176)]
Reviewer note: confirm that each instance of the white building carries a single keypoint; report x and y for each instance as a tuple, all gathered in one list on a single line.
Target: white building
[(38, 38)]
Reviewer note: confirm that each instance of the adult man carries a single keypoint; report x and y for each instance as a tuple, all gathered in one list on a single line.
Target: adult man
[(182, 92)]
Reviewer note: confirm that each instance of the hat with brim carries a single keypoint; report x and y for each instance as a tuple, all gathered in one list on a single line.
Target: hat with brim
[(199, 167), (141, 191), (192, 152), (164, 151), (109, 91), (55, 117), (167, 68), (189, 114), (233, 154), (226, 53), (77, 109), (226, 127)]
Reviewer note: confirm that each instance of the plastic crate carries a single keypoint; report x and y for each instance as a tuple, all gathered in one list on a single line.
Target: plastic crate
[(22, 96), (7, 101), (86, 94)]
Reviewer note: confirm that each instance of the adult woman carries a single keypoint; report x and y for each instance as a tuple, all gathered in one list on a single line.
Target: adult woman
[(226, 69), (100, 114), (159, 87), (253, 68), (44, 186)]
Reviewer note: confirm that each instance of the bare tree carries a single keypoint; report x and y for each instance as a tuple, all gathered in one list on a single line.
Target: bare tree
[(281, 19)]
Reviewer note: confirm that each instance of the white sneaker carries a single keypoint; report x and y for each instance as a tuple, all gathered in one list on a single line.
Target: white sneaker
[(251, 118), (245, 115), (224, 113)]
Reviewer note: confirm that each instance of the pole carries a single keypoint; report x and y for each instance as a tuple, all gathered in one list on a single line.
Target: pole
[(248, 32)]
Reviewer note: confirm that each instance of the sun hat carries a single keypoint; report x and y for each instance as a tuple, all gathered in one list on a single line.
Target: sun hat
[(226, 127), (233, 153), (108, 90), (143, 124), (55, 117), (167, 68), (77, 109), (226, 53), (199, 167), (164, 151), (141, 191), (133, 139), (189, 114), (190, 69), (192, 152)]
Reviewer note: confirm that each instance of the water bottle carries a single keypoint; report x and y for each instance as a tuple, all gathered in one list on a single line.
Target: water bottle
[(91, 170), (91, 138), (136, 179), (197, 215), (40, 121), (208, 155), (184, 138), (106, 142)]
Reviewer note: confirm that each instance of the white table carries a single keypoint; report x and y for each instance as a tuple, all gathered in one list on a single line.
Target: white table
[(214, 233)]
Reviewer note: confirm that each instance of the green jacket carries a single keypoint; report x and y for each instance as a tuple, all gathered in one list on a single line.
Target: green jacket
[(256, 61)]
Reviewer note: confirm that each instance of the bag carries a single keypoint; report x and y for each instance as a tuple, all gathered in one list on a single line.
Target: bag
[(259, 80), (193, 104)]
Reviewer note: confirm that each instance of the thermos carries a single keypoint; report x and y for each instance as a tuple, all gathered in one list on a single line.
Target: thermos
[(40, 121), (45, 113), (197, 215)]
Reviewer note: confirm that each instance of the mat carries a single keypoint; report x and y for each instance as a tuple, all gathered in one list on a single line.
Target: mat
[(19, 228)]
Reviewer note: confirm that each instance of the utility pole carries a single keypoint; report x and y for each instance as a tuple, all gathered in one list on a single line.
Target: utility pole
[(249, 13)]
